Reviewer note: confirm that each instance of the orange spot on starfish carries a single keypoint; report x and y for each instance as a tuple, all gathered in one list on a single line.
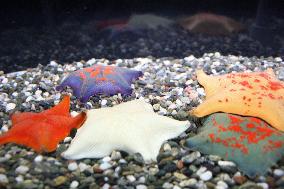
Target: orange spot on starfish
[(43, 131)]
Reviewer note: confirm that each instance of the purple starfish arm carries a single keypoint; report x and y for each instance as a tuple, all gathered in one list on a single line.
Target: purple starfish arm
[(74, 82), (96, 80)]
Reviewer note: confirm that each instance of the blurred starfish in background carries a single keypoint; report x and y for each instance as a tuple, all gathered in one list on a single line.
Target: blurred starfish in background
[(211, 24), (43, 131), (98, 79)]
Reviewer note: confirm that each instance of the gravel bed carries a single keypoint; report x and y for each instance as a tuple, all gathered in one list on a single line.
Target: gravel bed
[(171, 87)]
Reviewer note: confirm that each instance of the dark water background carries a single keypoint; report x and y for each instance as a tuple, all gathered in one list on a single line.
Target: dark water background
[(38, 31)]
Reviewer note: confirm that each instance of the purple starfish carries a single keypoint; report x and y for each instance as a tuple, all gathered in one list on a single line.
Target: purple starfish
[(98, 79)]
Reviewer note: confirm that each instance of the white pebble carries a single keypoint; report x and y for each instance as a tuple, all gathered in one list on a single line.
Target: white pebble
[(83, 166), (4, 128), (5, 80), (278, 59), (200, 91), (189, 58), (10, 106), (38, 92), (105, 166), (19, 178), (263, 185), (106, 159), (103, 103), (3, 179), (79, 65), (207, 175), (67, 139), (278, 172), (22, 169), (226, 163), (38, 158), (221, 185), (74, 184), (72, 166), (141, 186), (131, 178), (53, 63)]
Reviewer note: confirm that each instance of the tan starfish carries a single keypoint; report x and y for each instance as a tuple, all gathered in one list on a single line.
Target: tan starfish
[(257, 94), (210, 24)]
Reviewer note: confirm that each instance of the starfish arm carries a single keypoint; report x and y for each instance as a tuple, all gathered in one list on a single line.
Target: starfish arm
[(60, 109), (77, 121), (18, 117), (131, 75), (74, 82), (210, 84), (210, 105)]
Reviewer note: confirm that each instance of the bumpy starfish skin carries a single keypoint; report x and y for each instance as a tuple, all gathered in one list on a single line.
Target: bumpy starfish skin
[(132, 127), (248, 141), (257, 94), (98, 79), (43, 131)]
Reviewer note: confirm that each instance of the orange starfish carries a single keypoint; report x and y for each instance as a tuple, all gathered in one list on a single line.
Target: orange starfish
[(258, 94), (43, 131)]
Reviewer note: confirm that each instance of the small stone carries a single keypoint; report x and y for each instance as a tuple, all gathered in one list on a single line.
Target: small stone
[(167, 185), (156, 107), (103, 103), (3, 179), (263, 185), (221, 185), (141, 186), (10, 106), (188, 159), (278, 59), (239, 179), (83, 167), (105, 166), (131, 178), (278, 172), (226, 163), (4, 128), (59, 180), (74, 184), (180, 176), (167, 147), (190, 183), (207, 175), (38, 158), (5, 80), (22, 169), (72, 166), (67, 139)]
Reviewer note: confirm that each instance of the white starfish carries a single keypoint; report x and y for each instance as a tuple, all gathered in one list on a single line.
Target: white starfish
[(132, 127)]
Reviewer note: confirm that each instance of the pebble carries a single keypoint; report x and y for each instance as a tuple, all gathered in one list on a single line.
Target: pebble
[(5, 80), (221, 185), (3, 179), (278, 172), (207, 175), (105, 166), (131, 178), (59, 180), (141, 186), (103, 103), (72, 166), (10, 106), (191, 157), (188, 183), (263, 185), (74, 184), (38, 158), (22, 169)]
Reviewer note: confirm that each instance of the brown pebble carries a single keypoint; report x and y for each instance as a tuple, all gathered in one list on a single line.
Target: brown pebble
[(240, 179), (180, 164)]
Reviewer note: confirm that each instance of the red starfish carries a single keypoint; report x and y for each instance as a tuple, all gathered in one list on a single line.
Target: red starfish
[(43, 131)]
